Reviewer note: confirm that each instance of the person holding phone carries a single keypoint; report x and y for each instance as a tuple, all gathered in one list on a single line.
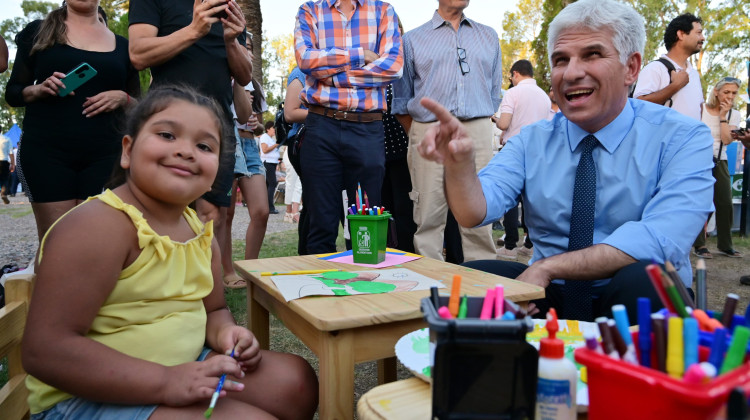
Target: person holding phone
[(70, 143)]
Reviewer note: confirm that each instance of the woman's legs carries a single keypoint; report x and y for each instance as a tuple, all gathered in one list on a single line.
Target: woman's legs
[(254, 190), (723, 203)]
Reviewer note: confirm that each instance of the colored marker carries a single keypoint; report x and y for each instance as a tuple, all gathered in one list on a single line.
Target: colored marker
[(690, 328), (434, 297), (747, 316), (295, 273), (499, 297), (623, 328), (737, 349), (730, 305), (660, 341), (644, 330), (654, 274), (607, 345), (488, 304), (700, 284), (592, 343), (718, 347), (445, 313), (215, 396), (508, 316), (675, 348), (463, 308), (672, 272), (455, 298), (695, 374), (704, 321)]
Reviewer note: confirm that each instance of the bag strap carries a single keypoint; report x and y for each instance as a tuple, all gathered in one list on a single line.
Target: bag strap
[(670, 68), (721, 143)]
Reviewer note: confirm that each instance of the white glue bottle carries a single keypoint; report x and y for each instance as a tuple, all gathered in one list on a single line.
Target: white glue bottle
[(558, 377)]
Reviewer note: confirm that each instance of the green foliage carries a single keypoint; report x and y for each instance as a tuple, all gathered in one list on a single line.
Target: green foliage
[(550, 9), (519, 30)]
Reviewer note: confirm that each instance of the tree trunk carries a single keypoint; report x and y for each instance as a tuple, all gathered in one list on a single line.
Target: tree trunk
[(254, 20)]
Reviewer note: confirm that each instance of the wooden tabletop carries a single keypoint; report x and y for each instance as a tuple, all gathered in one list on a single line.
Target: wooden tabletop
[(331, 313)]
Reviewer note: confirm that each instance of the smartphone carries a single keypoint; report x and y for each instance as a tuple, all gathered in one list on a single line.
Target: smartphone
[(221, 15), (76, 77)]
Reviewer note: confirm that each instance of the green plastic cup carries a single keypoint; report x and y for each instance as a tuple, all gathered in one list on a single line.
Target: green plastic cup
[(369, 234)]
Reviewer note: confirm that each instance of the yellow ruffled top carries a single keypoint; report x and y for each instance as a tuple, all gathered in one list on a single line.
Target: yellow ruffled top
[(155, 311)]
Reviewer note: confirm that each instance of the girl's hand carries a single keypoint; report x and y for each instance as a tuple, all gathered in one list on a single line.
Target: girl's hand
[(245, 345), (50, 86), (106, 101), (189, 383)]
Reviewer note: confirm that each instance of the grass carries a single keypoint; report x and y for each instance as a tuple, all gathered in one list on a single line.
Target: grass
[(16, 212)]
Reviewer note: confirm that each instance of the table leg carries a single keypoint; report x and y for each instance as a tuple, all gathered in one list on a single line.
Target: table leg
[(386, 370), (257, 318), (336, 377)]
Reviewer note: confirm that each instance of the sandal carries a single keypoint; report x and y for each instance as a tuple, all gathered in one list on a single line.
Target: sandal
[(233, 281), (730, 253), (288, 217), (703, 253)]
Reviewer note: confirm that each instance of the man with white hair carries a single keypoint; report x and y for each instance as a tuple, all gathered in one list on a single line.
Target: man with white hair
[(610, 184)]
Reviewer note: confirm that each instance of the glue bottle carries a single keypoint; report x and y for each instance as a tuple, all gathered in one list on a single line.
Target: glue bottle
[(558, 377)]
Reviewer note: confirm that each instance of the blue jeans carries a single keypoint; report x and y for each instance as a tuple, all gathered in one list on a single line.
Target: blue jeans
[(338, 155)]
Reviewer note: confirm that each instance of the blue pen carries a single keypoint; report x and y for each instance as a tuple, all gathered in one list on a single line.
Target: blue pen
[(215, 397), (718, 347), (690, 341), (644, 330)]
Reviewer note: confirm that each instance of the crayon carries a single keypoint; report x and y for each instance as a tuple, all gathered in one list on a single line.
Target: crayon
[(367, 202), (455, 298), (463, 308), (700, 284), (445, 313), (499, 297), (675, 348), (644, 330), (730, 305), (672, 272), (690, 328), (660, 341), (359, 195), (654, 274), (718, 347), (434, 297), (737, 349), (607, 345), (488, 304)]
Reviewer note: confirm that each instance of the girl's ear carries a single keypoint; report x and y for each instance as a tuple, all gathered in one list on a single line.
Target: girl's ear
[(127, 148)]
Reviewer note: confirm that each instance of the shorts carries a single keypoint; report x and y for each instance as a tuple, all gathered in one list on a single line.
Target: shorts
[(81, 409), (221, 190), (252, 157), (240, 166)]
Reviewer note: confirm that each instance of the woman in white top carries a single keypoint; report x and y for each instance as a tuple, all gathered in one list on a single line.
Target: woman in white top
[(269, 154), (721, 119)]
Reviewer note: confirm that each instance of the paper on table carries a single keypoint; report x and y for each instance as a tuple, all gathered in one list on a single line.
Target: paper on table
[(392, 257), (345, 283)]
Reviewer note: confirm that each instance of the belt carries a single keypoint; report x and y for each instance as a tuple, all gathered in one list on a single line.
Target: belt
[(353, 116)]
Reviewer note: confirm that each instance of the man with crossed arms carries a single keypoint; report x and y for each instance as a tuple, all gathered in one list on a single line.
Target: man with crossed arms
[(610, 184)]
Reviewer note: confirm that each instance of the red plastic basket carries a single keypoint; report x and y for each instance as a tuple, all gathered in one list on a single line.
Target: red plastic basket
[(619, 390)]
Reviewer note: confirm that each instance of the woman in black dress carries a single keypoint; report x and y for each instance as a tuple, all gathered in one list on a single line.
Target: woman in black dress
[(70, 143)]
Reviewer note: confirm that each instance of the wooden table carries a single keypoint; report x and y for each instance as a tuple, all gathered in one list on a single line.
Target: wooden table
[(344, 331)]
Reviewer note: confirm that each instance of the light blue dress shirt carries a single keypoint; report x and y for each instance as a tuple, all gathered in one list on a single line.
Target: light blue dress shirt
[(654, 188)]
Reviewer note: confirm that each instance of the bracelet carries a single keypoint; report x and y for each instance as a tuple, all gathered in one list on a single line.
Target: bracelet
[(722, 121)]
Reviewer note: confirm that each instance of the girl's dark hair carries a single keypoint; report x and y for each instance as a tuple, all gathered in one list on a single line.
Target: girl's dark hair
[(157, 100)]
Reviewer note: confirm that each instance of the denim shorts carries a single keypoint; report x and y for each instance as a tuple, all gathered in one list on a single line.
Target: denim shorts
[(252, 157), (240, 167), (81, 409)]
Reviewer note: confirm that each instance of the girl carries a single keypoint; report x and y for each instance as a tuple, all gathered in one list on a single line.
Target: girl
[(129, 308), (70, 143), (721, 119)]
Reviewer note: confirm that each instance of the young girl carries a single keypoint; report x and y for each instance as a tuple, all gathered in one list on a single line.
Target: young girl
[(128, 319)]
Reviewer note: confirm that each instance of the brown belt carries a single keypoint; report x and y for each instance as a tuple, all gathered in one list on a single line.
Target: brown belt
[(346, 115)]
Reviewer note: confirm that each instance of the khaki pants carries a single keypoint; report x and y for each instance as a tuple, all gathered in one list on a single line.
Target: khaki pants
[(428, 195)]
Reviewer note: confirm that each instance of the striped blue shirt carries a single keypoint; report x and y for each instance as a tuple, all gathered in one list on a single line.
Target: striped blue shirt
[(431, 68)]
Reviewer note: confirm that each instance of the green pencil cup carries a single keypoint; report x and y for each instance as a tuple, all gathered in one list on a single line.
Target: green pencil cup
[(369, 234)]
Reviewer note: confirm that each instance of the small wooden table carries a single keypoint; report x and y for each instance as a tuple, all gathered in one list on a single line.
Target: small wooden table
[(344, 331)]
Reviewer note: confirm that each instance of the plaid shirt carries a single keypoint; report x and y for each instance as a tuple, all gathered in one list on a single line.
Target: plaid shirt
[(330, 51)]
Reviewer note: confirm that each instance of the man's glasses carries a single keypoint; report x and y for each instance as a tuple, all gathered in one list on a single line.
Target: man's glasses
[(462, 61)]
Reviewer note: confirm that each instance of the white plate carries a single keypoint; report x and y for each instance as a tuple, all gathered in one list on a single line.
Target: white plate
[(413, 351)]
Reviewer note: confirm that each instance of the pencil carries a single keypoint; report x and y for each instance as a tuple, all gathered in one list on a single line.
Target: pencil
[(679, 284), (700, 283), (654, 274), (298, 272)]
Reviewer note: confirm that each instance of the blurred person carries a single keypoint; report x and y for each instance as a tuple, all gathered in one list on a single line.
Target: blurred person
[(719, 116), (295, 112), (70, 143), (292, 192), (269, 154), (344, 92), (553, 109), (7, 165), (3, 55), (455, 60)]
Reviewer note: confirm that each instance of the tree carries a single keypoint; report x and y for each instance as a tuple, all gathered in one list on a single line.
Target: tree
[(254, 19), (550, 9), (520, 28)]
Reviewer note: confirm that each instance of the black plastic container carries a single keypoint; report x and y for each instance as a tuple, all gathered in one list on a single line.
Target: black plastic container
[(482, 369)]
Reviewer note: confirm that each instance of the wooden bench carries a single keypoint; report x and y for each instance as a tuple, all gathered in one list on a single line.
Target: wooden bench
[(13, 395)]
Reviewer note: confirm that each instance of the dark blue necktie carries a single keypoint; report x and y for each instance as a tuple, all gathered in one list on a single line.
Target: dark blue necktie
[(578, 303)]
